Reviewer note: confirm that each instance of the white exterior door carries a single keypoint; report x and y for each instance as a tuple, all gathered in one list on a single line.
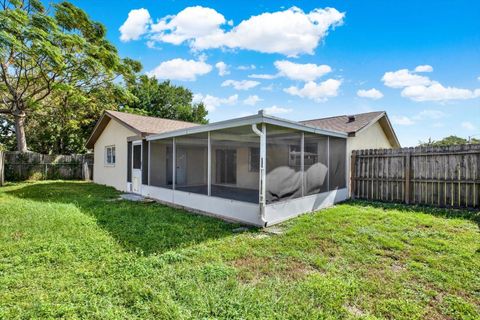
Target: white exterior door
[(181, 167), (137, 167)]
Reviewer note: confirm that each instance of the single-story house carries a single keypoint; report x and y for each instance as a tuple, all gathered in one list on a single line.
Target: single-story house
[(258, 169)]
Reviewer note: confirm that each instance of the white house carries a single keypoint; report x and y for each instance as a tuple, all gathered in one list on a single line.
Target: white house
[(259, 169)]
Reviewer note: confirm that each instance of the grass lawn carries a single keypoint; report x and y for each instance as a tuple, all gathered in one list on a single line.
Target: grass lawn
[(71, 250)]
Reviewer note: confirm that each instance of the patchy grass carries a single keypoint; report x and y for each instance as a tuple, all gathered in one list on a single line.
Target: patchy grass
[(71, 250)]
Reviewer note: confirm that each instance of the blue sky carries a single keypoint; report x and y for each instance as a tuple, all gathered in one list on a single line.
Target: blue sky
[(311, 59)]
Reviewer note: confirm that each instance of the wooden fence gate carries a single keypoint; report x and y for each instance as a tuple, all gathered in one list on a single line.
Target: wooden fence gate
[(437, 176)]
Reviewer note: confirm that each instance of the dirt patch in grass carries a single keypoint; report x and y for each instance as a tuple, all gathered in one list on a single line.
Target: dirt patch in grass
[(253, 269)]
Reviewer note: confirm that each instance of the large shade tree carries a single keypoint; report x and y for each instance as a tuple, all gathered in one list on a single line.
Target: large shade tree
[(51, 60)]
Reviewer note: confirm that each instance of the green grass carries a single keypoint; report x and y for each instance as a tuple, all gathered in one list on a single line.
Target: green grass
[(71, 250)]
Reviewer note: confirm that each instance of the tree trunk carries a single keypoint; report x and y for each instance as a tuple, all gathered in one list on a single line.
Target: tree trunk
[(20, 132)]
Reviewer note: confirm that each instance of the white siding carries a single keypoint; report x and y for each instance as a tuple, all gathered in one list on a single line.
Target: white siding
[(115, 176)]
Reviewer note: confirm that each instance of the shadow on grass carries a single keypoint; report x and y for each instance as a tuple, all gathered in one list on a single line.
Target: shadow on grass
[(143, 227), (473, 215)]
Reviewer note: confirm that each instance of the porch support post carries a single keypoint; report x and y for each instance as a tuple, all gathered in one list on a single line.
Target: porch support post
[(302, 162), (174, 162), (149, 161), (262, 170), (209, 165), (328, 163)]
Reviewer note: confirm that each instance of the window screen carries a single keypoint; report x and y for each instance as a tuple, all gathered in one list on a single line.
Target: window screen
[(338, 153), (137, 156), (191, 163), (284, 176), (161, 165), (315, 164), (253, 159), (232, 177), (110, 155)]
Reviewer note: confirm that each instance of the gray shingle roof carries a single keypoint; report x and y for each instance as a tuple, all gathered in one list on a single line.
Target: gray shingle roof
[(343, 123)]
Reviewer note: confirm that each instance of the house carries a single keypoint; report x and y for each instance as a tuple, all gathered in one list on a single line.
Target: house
[(258, 169)]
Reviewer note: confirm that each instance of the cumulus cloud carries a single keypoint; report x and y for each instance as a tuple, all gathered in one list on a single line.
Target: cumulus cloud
[(180, 69), (299, 71), (318, 92), (222, 68), (404, 78), (252, 100), (424, 68), (422, 88), (240, 85), (402, 120), (277, 110), (468, 126), (212, 102), (289, 32), (136, 25), (295, 71), (370, 94)]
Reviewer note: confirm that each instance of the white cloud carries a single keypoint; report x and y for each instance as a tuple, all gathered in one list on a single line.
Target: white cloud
[(267, 88), (370, 94), (316, 91), (468, 126), (136, 25), (422, 88), (240, 85), (437, 92), (195, 24), (404, 78), (212, 102), (290, 32), (180, 69), (263, 76), (303, 72), (277, 110), (430, 114), (252, 100), (247, 67), (402, 120), (222, 68), (424, 68)]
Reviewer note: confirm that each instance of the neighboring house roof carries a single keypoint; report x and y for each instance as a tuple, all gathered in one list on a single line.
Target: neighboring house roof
[(354, 124), (141, 125)]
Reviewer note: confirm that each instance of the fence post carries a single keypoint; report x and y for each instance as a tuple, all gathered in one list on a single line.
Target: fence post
[(2, 164), (407, 178), (352, 174)]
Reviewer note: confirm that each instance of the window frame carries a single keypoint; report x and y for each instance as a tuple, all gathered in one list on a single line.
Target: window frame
[(113, 156)]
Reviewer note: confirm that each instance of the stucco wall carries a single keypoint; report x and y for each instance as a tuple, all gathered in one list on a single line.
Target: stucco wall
[(112, 175), (371, 138)]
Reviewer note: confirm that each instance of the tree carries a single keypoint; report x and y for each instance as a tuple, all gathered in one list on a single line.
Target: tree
[(44, 57), (164, 100), (447, 141)]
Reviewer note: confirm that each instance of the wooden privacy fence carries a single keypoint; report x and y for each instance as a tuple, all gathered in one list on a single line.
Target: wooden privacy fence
[(19, 166), (438, 176)]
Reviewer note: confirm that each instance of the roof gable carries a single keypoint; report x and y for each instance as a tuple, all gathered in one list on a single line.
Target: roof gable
[(140, 125), (354, 124)]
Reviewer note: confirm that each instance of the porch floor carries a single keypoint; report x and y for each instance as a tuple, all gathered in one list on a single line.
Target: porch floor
[(226, 192)]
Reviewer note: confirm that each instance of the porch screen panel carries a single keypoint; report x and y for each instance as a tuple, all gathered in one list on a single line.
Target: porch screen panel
[(191, 153), (315, 164), (338, 158), (161, 165), (129, 161), (235, 164), (283, 164)]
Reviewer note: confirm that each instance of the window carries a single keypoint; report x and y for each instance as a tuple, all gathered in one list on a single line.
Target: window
[(110, 155), (253, 159)]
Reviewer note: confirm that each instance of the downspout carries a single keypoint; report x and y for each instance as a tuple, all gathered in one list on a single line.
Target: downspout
[(262, 172)]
